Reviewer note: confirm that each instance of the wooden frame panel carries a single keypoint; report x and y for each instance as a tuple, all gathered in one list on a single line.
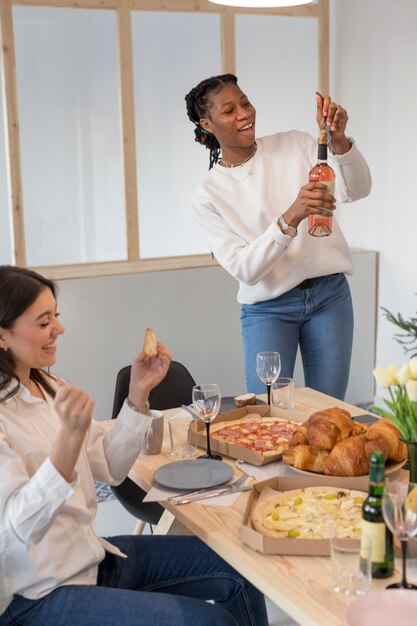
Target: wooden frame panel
[(124, 8)]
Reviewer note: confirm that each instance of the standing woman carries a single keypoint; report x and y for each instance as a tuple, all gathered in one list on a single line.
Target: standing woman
[(54, 570), (252, 209)]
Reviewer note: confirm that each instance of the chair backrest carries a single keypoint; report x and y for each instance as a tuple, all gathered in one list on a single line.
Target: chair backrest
[(174, 390)]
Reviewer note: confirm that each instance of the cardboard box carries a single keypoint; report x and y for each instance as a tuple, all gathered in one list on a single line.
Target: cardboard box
[(300, 547), (238, 452)]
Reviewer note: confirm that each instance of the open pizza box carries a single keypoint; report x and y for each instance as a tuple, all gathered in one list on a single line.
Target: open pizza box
[(238, 452), (284, 545)]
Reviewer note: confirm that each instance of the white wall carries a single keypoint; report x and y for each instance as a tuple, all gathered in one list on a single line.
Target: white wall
[(195, 312), (373, 60)]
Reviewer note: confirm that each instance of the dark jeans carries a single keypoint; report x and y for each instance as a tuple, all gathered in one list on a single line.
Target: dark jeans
[(164, 580)]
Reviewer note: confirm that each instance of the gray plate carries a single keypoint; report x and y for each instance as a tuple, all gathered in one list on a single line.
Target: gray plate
[(193, 474)]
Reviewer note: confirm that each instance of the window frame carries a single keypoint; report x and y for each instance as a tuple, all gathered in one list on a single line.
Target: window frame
[(124, 9)]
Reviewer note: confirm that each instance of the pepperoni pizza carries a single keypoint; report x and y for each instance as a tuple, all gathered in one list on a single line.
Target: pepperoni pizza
[(267, 435)]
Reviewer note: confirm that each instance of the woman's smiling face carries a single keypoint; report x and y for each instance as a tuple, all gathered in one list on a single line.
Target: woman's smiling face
[(232, 121), (32, 339)]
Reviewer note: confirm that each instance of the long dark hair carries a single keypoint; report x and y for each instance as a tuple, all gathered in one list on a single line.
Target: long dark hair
[(19, 288), (198, 102)]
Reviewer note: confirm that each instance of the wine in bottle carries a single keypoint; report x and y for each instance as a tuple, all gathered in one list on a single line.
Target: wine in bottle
[(318, 225), (373, 525)]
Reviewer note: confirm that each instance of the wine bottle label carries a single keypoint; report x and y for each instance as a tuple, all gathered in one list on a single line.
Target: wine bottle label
[(377, 537), (330, 184)]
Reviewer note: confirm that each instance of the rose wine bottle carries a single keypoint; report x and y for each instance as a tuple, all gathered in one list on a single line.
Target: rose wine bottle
[(318, 225)]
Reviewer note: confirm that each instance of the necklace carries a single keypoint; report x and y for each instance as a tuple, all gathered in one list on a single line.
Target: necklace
[(226, 164)]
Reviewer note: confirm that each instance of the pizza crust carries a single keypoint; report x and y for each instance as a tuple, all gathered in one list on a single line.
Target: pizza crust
[(310, 513)]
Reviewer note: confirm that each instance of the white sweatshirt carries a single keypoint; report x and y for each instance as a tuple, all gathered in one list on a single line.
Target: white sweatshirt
[(237, 210)]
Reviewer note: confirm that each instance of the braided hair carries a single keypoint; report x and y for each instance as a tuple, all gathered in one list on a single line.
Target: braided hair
[(198, 105)]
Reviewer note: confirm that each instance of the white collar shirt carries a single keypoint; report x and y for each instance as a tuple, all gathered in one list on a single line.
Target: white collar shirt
[(46, 535)]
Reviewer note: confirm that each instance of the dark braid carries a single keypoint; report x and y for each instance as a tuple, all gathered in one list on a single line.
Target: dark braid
[(198, 102)]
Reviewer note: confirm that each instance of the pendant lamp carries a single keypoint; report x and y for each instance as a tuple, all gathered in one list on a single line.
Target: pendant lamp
[(261, 4)]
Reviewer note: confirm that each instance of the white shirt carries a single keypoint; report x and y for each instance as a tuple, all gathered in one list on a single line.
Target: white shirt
[(46, 537), (237, 209)]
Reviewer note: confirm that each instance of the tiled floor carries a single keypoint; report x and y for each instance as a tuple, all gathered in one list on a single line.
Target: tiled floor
[(113, 519)]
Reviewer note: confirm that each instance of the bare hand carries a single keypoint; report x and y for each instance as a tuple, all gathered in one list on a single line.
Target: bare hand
[(147, 373), (312, 198), (75, 408)]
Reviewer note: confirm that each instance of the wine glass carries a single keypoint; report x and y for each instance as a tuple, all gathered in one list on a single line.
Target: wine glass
[(206, 402), (399, 508), (268, 368)]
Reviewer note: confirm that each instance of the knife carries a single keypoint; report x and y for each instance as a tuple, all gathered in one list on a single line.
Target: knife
[(238, 482), (212, 494)]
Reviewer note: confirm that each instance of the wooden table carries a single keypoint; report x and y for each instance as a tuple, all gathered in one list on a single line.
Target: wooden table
[(301, 586)]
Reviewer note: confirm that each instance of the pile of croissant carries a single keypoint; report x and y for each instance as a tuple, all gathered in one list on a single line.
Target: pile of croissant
[(331, 443)]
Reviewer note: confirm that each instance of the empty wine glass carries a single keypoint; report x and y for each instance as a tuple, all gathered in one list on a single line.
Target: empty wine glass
[(399, 507), (268, 368), (206, 402)]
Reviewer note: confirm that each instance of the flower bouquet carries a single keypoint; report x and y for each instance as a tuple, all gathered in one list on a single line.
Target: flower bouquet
[(402, 386)]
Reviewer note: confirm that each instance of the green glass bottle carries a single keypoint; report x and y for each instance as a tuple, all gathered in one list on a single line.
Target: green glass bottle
[(373, 525)]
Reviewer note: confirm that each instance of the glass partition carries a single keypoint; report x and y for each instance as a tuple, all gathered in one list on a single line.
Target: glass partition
[(172, 52), (72, 170)]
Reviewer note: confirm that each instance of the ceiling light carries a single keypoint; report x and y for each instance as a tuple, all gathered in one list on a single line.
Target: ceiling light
[(258, 4)]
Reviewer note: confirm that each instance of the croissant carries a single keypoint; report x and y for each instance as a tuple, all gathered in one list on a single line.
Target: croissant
[(377, 443), (348, 458), (323, 434), (388, 436), (305, 457), (335, 415), (359, 428), (299, 435)]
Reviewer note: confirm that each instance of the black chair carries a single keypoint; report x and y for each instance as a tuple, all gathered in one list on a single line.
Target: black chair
[(173, 391)]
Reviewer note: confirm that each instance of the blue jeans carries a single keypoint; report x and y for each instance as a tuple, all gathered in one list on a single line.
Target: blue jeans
[(164, 580), (318, 319)]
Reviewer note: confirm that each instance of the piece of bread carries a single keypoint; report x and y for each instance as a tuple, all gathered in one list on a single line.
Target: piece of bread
[(150, 344), (348, 458), (299, 436), (387, 436), (306, 458), (245, 399), (335, 415), (322, 433)]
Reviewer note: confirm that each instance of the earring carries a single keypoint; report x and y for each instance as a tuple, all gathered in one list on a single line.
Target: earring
[(5, 349)]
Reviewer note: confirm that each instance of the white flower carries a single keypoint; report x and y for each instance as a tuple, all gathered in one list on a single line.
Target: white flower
[(404, 374), (413, 368), (382, 379), (392, 373), (411, 388)]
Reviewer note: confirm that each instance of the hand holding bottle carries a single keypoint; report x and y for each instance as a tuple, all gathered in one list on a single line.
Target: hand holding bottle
[(313, 198), (335, 117)]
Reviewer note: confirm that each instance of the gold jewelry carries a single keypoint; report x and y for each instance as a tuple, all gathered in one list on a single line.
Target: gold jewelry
[(226, 164), (144, 410)]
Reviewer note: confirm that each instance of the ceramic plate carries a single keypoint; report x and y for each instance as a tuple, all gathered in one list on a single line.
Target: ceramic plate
[(193, 474), (383, 608)]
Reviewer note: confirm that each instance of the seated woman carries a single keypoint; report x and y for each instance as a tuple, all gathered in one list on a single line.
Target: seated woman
[(53, 568)]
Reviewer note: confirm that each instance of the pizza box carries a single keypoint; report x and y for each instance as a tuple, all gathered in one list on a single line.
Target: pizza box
[(238, 452), (297, 547)]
